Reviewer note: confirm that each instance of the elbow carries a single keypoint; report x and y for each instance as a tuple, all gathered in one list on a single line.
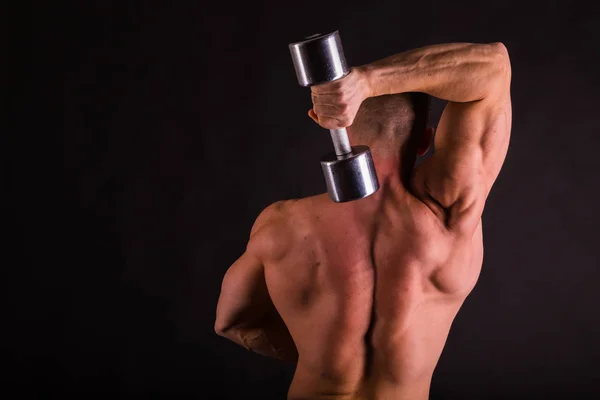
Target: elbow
[(497, 69), (219, 331), (499, 49), (500, 58), (221, 328)]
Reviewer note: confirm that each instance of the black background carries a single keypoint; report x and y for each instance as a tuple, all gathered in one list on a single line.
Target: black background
[(145, 137)]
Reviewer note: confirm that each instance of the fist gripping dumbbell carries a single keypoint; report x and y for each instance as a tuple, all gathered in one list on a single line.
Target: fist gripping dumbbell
[(349, 170)]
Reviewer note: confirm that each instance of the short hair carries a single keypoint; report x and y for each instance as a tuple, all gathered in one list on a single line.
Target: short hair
[(395, 119)]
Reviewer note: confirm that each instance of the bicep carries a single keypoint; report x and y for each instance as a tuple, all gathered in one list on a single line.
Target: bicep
[(470, 148)]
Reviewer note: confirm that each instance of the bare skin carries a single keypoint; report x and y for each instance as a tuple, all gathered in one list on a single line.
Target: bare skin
[(362, 295)]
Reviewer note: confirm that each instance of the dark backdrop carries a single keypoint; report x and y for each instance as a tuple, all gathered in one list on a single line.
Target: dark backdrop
[(145, 137)]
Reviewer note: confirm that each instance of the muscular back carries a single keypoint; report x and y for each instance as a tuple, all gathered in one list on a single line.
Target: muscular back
[(369, 295), (368, 289)]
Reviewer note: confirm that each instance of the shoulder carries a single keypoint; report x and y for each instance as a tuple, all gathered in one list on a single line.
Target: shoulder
[(269, 216), (270, 233)]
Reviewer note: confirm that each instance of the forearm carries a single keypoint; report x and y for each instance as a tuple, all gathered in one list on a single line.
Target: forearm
[(268, 337), (258, 341), (458, 72)]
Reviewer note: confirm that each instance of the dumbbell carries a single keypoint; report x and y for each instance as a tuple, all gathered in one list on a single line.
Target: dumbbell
[(349, 170)]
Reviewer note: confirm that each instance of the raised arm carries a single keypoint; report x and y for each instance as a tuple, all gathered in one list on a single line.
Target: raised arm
[(474, 130)]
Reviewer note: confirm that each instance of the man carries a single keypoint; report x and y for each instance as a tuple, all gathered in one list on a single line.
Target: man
[(362, 294)]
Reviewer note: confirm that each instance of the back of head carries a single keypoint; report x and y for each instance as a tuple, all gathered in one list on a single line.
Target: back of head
[(391, 123)]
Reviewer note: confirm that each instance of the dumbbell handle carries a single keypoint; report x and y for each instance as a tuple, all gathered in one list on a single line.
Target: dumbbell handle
[(341, 144)]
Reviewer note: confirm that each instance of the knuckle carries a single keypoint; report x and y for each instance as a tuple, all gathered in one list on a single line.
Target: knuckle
[(345, 97)]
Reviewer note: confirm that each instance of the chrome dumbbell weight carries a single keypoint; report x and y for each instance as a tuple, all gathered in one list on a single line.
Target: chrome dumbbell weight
[(349, 170)]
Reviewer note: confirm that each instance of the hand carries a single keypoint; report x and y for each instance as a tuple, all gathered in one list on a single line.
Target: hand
[(336, 103), (268, 336)]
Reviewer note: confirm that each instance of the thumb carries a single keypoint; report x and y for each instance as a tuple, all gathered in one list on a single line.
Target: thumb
[(313, 116)]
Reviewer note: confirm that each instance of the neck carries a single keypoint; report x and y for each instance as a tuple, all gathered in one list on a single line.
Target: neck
[(392, 163), (390, 175)]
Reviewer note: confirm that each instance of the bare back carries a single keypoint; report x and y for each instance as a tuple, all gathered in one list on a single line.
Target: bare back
[(368, 289), (369, 294)]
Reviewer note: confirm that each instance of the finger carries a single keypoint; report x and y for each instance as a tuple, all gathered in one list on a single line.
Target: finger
[(330, 123), (325, 122), (325, 110), (328, 98), (324, 88), (313, 116)]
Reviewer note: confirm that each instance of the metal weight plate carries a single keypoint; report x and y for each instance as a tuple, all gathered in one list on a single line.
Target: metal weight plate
[(352, 177)]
